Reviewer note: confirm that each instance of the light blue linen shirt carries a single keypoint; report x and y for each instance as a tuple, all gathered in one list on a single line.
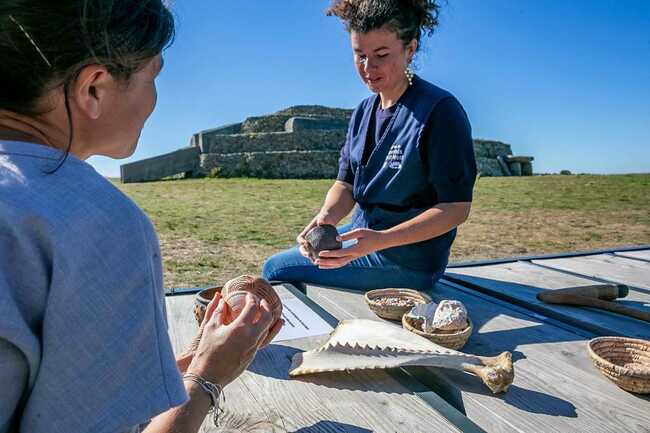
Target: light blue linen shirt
[(83, 332)]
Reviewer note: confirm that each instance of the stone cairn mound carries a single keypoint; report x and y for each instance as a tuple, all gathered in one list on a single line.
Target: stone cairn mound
[(298, 142)]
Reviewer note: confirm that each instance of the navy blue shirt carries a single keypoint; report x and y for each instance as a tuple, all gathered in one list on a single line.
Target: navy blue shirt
[(404, 160), (444, 146)]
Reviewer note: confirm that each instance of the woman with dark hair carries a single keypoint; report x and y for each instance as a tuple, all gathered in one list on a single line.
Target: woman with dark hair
[(83, 332), (407, 163)]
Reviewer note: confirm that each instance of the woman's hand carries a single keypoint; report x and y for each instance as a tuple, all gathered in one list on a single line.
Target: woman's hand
[(184, 360), (318, 220), (225, 351), (368, 241)]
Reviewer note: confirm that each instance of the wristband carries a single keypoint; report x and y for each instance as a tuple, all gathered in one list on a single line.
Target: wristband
[(217, 397)]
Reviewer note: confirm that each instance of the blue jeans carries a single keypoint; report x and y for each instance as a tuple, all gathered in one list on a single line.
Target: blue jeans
[(373, 271)]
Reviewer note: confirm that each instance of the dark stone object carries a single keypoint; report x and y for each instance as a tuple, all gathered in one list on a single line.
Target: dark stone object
[(322, 238)]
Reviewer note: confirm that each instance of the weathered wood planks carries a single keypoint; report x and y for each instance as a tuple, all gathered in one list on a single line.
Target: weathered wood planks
[(605, 266), (264, 399), (519, 283), (639, 255), (556, 387)]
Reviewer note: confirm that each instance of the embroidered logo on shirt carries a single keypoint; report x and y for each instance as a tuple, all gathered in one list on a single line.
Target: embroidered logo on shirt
[(394, 157)]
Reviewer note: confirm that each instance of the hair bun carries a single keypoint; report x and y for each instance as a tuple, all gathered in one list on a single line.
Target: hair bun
[(426, 13), (409, 18)]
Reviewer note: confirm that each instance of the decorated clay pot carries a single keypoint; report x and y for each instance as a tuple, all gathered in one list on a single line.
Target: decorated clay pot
[(201, 301), (234, 294)]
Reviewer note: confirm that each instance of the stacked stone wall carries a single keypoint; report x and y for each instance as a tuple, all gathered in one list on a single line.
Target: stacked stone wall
[(276, 165), (491, 149), (274, 141), (488, 166), (298, 142), (316, 111), (233, 128), (178, 162), (297, 123), (272, 123)]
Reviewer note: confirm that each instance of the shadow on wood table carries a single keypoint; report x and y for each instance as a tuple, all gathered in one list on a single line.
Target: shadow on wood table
[(332, 426), (556, 386)]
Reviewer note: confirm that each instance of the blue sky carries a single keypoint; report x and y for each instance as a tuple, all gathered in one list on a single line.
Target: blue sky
[(567, 82)]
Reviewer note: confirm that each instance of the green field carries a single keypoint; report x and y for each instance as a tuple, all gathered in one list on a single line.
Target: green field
[(213, 229)]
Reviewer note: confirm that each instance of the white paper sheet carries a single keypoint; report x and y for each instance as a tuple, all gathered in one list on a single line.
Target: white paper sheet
[(300, 321)]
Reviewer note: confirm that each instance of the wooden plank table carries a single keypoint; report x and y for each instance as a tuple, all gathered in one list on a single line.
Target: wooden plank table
[(639, 255), (605, 267), (264, 399), (519, 282), (556, 387)]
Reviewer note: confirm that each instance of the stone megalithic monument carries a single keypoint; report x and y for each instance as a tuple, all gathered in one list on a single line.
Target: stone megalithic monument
[(298, 142)]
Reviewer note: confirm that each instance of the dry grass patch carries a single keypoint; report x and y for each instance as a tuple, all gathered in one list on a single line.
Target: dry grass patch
[(213, 229)]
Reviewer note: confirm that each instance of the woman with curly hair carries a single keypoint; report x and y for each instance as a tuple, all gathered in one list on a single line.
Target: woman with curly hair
[(407, 165)]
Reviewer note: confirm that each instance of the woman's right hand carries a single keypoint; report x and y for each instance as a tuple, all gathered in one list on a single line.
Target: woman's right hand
[(318, 220), (225, 351)]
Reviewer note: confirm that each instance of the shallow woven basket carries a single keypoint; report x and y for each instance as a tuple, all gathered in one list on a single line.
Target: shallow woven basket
[(455, 340), (201, 301), (625, 361), (393, 312)]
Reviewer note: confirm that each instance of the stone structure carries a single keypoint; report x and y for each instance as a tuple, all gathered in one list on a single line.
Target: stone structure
[(298, 142)]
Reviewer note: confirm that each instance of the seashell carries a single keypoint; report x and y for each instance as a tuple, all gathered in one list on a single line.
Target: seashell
[(234, 294), (360, 344), (322, 238), (450, 315)]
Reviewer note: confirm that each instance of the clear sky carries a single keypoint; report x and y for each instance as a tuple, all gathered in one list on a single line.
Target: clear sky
[(567, 82)]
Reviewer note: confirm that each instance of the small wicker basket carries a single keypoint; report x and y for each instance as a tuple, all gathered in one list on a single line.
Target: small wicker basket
[(201, 301), (454, 340), (625, 361), (394, 312)]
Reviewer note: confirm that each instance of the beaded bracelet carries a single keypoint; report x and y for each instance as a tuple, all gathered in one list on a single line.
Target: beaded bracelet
[(214, 391)]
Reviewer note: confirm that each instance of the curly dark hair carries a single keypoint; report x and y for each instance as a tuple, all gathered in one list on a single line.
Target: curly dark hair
[(408, 18)]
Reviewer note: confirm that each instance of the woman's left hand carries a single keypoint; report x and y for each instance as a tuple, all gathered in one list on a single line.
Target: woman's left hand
[(368, 241)]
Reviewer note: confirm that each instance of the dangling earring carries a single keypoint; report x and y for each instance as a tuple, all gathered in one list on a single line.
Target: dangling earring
[(409, 74)]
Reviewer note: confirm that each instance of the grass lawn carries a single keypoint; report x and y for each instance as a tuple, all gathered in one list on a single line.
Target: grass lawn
[(214, 229)]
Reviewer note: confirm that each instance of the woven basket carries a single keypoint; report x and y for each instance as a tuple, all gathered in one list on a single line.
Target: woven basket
[(454, 340), (201, 301), (625, 361), (394, 312)]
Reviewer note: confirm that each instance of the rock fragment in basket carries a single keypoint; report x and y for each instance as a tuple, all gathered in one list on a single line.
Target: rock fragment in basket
[(446, 317), (446, 323), (449, 339), (450, 317)]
